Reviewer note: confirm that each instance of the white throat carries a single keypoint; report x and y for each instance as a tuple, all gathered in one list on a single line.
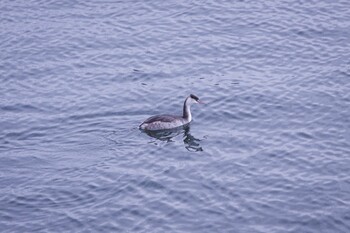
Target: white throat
[(187, 110), (189, 115)]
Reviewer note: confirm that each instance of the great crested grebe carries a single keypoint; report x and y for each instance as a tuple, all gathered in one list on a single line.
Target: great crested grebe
[(163, 122)]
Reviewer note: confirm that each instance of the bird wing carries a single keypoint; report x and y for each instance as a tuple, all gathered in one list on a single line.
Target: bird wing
[(162, 118)]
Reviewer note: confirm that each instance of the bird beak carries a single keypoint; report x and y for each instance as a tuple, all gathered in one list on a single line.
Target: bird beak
[(200, 102)]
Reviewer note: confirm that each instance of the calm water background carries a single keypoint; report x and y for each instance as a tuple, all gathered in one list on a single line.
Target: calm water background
[(269, 152)]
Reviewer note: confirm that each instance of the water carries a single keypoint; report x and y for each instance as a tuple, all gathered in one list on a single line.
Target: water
[(269, 152)]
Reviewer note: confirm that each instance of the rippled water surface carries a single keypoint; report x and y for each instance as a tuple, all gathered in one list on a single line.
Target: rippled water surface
[(268, 152)]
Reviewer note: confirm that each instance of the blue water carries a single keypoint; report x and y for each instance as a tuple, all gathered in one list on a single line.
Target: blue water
[(268, 152)]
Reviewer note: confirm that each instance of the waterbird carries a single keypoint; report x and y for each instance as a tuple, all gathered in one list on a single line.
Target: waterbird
[(165, 122)]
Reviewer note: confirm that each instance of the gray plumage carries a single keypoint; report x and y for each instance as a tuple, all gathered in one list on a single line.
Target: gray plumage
[(162, 122)]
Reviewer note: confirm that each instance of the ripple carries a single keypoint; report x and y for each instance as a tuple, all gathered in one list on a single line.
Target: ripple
[(271, 143)]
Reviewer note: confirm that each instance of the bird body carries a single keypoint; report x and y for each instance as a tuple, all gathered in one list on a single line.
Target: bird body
[(163, 122)]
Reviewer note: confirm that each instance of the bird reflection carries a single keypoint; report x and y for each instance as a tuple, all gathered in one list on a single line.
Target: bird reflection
[(191, 143)]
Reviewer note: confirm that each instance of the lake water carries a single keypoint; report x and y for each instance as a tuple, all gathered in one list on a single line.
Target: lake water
[(268, 152)]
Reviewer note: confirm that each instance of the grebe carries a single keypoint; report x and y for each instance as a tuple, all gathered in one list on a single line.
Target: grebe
[(163, 122)]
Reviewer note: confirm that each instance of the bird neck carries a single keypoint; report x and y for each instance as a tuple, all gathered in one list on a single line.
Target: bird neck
[(187, 110)]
